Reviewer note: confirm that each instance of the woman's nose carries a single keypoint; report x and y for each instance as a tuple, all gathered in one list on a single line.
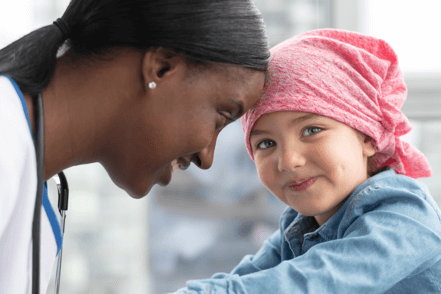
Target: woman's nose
[(204, 158), (290, 158)]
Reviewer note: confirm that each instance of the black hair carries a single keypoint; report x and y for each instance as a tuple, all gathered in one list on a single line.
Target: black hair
[(205, 31)]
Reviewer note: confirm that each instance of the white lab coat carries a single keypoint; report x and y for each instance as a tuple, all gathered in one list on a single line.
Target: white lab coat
[(18, 185)]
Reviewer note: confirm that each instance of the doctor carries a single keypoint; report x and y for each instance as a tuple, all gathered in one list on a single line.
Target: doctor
[(142, 87)]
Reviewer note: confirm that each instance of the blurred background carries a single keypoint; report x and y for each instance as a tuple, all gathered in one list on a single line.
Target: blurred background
[(205, 221)]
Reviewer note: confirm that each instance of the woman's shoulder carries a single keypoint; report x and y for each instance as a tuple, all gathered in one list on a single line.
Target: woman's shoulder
[(17, 152), (14, 118), (14, 122)]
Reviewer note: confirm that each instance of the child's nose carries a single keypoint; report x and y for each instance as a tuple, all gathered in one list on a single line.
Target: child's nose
[(290, 158)]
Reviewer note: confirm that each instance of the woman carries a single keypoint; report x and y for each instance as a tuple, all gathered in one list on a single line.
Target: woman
[(143, 87)]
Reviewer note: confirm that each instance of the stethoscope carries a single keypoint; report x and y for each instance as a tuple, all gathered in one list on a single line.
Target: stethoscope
[(63, 197)]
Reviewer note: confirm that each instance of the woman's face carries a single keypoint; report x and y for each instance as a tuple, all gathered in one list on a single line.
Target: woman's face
[(178, 123)]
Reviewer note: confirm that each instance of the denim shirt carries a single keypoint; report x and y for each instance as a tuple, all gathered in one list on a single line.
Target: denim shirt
[(386, 238)]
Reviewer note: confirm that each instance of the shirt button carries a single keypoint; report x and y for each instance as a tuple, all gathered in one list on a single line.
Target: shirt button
[(313, 237)]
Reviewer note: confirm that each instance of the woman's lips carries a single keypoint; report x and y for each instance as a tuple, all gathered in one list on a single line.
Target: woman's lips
[(167, 173), (174, 168), (303, 185), (180, 163)]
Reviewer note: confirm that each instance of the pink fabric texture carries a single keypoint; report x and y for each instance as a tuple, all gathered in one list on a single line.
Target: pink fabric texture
[(351, 78)]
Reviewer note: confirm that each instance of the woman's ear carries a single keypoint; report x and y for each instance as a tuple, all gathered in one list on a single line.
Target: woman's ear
[(159, 64)]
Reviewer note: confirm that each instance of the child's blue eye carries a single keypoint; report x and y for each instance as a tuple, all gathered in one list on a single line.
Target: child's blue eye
[(266, 144), (311, 131)]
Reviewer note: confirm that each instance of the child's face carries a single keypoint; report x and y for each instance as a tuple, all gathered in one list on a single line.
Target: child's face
[(310, 162)]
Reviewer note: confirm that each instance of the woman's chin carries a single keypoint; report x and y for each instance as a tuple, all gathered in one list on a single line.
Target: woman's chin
[(139, 191), (138, 188), (143, 187), (165, 176)]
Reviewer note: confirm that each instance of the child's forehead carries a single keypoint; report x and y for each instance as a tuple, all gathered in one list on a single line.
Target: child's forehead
[(293, 117)]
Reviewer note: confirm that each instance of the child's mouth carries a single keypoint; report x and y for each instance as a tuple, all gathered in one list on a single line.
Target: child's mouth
[(303, 185)]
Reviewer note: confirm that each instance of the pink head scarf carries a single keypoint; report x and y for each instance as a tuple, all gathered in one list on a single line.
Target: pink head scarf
[(351, 78)]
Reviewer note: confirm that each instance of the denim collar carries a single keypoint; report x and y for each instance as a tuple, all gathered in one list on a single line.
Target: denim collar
[(305, 225)]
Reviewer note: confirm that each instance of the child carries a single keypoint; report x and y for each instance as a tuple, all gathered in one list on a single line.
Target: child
[(325, 137)]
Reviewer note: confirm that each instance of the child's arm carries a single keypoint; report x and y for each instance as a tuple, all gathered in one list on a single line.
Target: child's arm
[(267, 257), (377, 250)]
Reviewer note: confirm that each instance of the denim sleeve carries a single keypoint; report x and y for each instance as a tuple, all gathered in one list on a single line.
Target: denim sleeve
[(375, 249), (267, 257)]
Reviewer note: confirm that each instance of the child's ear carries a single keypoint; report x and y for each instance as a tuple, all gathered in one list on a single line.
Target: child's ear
[(368, 148)]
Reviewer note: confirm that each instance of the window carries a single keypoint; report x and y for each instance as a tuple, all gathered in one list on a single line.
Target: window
[(411, 31), (206, 221)]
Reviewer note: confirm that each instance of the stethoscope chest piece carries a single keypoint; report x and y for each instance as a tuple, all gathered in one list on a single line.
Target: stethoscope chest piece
[(63, 198)]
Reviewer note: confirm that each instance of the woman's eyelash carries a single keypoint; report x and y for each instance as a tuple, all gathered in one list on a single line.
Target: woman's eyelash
[(228, 120)]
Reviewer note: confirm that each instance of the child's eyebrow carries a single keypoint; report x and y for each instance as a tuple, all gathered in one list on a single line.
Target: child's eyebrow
[(303, 118), (293, 122), (258, 132)]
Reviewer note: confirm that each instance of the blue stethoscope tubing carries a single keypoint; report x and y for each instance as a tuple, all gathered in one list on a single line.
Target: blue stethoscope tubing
[(63, 197)]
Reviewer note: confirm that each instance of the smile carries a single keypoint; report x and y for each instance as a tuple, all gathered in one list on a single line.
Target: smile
[(179, 163), (175, 165), (303, 185)]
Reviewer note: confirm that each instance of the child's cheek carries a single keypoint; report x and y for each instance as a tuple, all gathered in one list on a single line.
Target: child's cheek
[(260, 171), (266, 174)]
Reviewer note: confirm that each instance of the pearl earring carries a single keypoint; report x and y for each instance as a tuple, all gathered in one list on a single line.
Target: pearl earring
[(152, 85)]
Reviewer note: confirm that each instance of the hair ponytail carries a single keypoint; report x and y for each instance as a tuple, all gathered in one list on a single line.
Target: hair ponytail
[(228, 31), (30, 61)]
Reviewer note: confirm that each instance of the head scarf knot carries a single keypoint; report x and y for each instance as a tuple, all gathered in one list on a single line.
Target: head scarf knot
[(351, 78)]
